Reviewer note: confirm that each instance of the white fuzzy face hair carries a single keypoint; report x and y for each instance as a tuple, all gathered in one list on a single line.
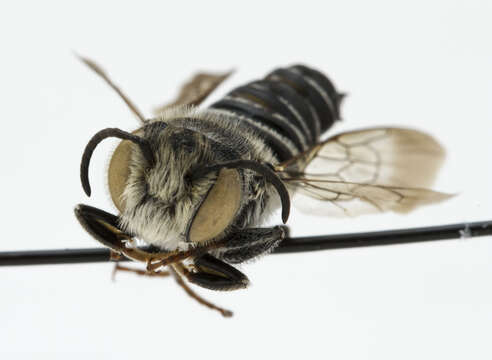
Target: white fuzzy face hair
[(160, 201)]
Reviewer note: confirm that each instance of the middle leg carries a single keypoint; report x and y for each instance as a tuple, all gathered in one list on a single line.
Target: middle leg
[(247, 244)]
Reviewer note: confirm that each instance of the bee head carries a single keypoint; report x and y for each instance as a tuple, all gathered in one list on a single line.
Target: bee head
[(173, 186)]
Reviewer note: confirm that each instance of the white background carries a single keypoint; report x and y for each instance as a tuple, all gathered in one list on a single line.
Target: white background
[(426, 65)]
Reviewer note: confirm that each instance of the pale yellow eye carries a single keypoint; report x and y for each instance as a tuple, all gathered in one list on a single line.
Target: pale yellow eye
[(118, 172), (219, 208)]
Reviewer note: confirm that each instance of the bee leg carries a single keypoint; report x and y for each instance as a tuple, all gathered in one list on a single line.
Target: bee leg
[(103, 226), (249, 243), (214, 274), (177, 270), (140, 272)]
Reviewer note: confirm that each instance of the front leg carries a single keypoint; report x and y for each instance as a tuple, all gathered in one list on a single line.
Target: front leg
[(105, 228), (247, 244), (214, 274)]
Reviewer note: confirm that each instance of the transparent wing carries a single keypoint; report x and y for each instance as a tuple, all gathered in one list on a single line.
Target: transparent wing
[(196, 90), (377, 169)]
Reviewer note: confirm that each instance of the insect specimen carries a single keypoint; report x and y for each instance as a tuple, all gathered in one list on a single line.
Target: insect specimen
[(195, 185)]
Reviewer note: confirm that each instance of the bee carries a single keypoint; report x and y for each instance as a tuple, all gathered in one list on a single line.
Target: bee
[(195, 185)]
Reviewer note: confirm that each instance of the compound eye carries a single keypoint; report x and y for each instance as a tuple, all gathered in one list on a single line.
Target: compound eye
[(219, 208), (118, 172)]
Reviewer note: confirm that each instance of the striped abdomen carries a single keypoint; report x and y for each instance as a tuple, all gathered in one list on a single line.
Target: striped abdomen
[(268, 121), (289, 109)]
